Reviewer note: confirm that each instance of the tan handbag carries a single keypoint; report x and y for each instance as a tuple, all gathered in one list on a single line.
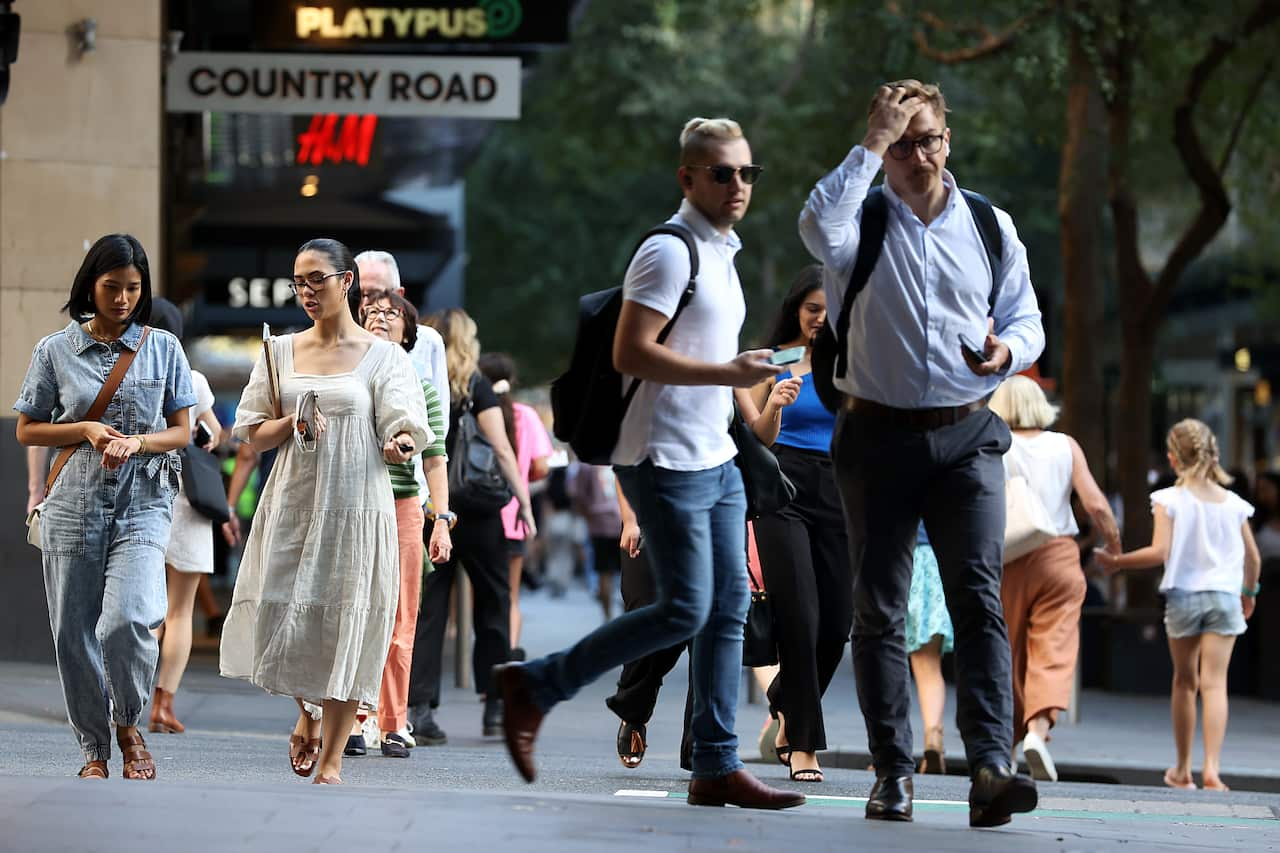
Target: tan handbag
[(1027, 524), (96, 411)]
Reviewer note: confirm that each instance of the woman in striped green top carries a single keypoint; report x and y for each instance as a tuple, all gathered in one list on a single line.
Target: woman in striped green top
[(389, 315)]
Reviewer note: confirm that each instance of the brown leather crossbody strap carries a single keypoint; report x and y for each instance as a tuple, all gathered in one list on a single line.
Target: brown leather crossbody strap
[(100, 403)]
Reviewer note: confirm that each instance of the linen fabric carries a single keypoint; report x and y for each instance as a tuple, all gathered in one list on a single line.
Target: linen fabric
[(532, 442), (1045, 461), (190, 546), (315, 598), (103, 533), (1206, 547), (931, 284), (404, 482), (683, 427)]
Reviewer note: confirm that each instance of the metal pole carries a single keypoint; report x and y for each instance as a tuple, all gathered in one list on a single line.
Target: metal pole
[(462, 621)]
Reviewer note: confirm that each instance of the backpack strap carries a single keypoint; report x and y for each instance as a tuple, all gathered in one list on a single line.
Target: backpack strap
[(100, 403), (984, 215), (689, 243), (871, 228)]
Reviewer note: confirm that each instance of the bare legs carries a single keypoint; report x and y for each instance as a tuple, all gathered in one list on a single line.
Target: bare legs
[(175, 644), (1199, 666), (931, 690), (332, 729), (515, 568)]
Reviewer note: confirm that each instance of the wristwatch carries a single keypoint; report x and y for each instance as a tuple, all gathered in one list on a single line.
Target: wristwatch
[(450, 518)]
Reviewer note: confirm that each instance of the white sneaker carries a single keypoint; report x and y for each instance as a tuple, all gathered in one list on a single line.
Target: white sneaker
[(372, 736), (1039, 761), (406, 735)]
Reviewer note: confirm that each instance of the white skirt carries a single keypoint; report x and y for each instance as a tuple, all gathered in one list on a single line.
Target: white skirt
[(190, 538)]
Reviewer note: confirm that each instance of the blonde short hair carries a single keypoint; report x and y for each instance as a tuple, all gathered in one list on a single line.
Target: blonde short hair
[(929, 91), (700, 133), (1195, 452), (1021, 403)]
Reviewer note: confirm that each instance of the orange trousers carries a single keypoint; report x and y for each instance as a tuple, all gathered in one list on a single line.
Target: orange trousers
[(1042, 593), (393, 698)]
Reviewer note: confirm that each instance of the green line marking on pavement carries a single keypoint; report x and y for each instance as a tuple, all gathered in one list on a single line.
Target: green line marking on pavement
[(823, 801)]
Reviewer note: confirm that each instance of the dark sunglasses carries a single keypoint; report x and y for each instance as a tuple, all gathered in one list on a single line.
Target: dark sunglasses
[(724, 174)]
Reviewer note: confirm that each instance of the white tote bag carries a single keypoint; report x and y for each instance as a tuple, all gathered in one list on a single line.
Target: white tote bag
[(1027, 524)]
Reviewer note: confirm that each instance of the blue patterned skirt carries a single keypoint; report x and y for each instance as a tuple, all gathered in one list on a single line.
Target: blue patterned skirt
[(927, 615)]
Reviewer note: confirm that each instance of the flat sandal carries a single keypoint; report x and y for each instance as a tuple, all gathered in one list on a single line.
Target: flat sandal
[(137, 760), (96, 769), (303, 749)]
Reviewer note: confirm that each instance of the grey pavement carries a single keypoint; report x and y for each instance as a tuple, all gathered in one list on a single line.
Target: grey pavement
[(226, 784)]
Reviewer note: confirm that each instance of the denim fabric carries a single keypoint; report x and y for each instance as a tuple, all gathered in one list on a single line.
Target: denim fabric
[(694, 524), (1189, 614), (104, 532)]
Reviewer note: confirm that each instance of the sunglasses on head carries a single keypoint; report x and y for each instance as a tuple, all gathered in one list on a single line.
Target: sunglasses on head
[(724, 174)]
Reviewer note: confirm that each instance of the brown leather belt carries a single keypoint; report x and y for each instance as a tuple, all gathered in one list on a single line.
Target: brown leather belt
[(918, 419)]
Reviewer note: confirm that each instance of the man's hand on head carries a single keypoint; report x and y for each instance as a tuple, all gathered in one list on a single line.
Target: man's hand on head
[(891, 112)]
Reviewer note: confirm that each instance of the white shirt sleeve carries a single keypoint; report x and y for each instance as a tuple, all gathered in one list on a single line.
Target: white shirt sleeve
[(658, 274)]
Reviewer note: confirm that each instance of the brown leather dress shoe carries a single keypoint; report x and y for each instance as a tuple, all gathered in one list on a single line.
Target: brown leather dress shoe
[(522, 717), (741, 789)]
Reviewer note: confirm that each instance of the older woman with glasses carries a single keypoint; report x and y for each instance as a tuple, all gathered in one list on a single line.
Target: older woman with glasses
[(315, 599)]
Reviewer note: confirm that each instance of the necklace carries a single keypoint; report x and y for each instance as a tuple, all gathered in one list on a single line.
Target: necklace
[(96, 335)]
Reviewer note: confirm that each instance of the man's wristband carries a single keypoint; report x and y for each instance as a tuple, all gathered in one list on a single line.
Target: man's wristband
[(1251, 593)]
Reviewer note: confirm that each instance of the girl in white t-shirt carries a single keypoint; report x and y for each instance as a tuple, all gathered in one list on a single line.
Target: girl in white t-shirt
[(1211, 569)]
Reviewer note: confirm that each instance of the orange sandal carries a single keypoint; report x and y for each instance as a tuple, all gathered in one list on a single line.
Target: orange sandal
[(138, 763), (303, 754), (94, 770)]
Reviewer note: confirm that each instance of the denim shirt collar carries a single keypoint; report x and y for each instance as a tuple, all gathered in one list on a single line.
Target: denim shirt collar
[(81, 340)]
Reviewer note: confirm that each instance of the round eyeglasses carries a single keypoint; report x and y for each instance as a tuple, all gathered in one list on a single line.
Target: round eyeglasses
[(904, 148), (384, 313)]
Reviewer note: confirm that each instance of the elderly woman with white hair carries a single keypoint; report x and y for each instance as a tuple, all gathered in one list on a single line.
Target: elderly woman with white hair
[(1043, 590)]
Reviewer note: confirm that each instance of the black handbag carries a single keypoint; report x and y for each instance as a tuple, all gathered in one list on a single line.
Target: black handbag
[(202, 483), (768, 489), (476, 482), (758, 645)]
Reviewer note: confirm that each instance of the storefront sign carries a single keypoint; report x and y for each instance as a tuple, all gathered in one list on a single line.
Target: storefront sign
[(378, 85), (353, 25)]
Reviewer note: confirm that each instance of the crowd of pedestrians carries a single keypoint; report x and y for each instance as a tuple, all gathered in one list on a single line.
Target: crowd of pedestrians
[(388, 454)]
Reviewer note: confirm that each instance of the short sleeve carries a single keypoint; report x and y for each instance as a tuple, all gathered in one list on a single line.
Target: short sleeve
[(38, 396), (256, 405), (533, 434), (435, 419), (658, 274), (482, 397), (398, 402), (204, 394), (1167, 498), (179, 393), (1243, 506)]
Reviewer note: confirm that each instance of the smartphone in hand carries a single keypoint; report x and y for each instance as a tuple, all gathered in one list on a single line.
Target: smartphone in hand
[(786, 356), (203, 436), (973, 354)]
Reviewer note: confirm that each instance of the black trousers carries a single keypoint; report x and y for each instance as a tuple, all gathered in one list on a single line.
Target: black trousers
[(804, 557), (480, 546), (640, 681), (953, 477)]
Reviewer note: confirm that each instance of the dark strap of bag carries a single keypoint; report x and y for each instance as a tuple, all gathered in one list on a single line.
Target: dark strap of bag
[(100, 403), (872, 226), (687, 236)]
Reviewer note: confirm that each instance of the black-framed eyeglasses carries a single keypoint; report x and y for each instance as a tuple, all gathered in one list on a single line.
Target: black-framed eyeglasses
[(315, 281), (384, 313), (724, 174), (904, 148)]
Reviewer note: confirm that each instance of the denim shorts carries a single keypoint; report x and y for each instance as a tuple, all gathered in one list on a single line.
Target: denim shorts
[(1187, 614)]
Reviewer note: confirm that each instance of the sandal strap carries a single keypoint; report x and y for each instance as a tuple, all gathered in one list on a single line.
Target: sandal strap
[(94, 770)]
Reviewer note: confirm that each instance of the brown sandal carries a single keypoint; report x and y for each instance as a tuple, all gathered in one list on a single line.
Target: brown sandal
[(138, 763), (94, 770), (303, 751)]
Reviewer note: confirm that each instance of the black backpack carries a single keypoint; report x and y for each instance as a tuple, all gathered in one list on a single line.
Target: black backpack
[(587, 400), (476, 482), (830, 354)]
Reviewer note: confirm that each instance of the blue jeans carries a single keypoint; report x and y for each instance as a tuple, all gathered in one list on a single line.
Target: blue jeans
[(104, 535), (694, 525)]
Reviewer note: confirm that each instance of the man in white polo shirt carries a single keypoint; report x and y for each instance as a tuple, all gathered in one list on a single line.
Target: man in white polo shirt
[(674, 461)]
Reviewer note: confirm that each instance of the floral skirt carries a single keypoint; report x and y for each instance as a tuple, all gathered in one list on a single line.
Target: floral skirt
[(927, 615)]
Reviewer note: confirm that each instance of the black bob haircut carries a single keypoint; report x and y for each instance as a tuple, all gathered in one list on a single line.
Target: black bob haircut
[(112, 252), (343, 261)]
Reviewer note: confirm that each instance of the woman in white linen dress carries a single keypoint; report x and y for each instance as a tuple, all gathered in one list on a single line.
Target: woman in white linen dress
[(315, 598)]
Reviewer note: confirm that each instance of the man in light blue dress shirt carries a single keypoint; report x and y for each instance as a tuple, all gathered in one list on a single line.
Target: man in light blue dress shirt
[(915, 439)]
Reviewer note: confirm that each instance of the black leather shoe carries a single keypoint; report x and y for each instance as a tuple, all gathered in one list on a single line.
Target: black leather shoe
[(890, 798), (996, 793), (491, 720)]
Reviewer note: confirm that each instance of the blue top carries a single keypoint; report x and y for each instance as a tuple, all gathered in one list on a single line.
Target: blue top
[(806, 423)]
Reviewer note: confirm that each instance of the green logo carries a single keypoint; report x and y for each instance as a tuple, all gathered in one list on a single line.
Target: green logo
[(504, 16)]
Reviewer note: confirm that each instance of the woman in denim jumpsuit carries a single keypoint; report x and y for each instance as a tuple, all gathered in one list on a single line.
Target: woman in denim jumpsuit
[(105, 522)]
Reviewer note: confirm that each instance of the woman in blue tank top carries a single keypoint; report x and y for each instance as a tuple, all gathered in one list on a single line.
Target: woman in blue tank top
[(804, 553)]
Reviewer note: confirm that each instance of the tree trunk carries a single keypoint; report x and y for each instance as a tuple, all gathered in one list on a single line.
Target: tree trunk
[(1079, 214), (1133, 443)]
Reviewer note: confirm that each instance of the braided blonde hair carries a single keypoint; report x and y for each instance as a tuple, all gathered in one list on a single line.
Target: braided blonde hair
[(1195, 452)]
